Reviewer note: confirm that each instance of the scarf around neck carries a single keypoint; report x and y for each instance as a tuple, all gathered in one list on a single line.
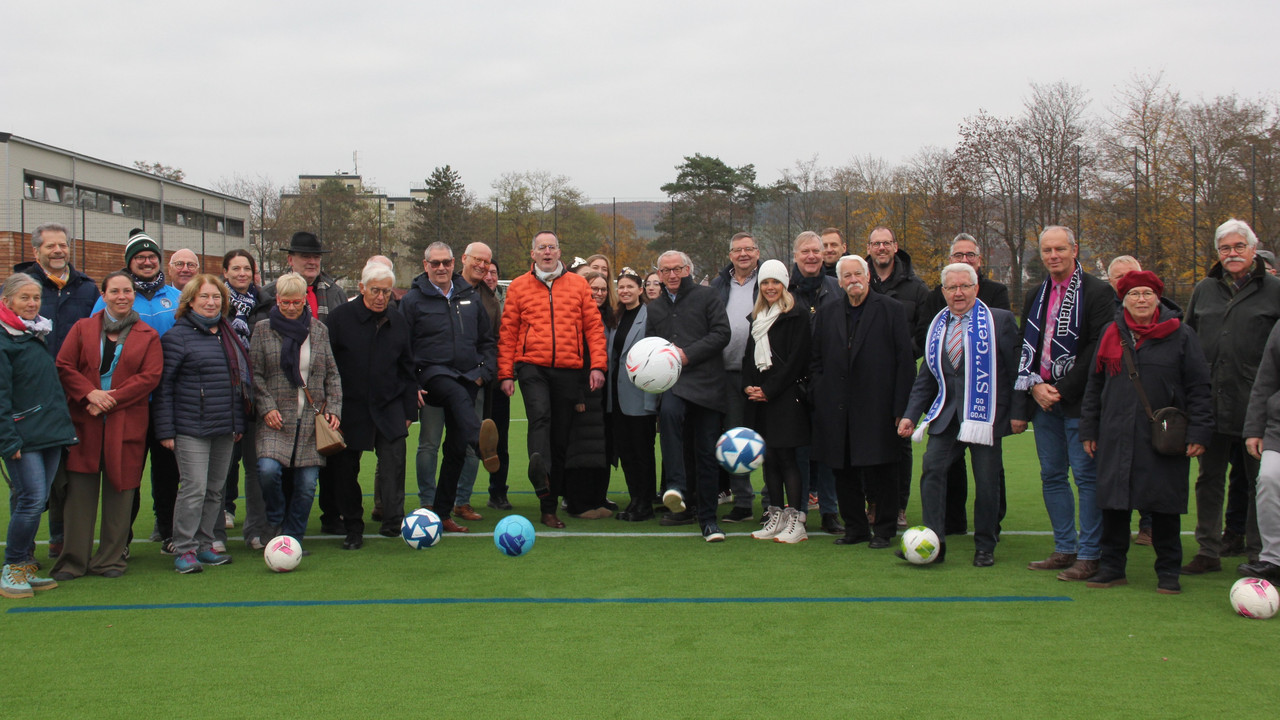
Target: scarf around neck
[(243, 304), (978, 404), (1109, 348), (549, 277), (1065, 330), (148, 287), (292, 334), (760, 326)]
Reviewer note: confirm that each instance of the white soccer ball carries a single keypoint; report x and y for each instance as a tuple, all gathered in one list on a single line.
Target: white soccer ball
[(421, 529), (920, 545), (1254, 598), (653, 365), (740, 450), (282, 554)]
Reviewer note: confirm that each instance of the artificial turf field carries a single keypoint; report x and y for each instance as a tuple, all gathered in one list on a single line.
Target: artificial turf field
[(619, 620)]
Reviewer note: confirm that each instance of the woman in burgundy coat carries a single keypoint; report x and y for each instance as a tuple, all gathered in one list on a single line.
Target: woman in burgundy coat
[(108, 365)]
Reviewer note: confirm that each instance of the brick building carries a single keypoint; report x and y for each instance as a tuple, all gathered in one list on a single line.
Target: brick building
[(101, 201)]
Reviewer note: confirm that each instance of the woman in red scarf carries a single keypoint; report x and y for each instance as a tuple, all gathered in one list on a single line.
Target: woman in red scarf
[(1116, 430)]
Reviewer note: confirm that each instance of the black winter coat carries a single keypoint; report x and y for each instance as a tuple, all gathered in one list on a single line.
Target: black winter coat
[(1262, 420), (1131, 474), (696, 323), (197, 395), (783, 420), (449, 336), (65, 306), (373, 358), (1233, 329), (826, 293), (904, 286), (859, 386)]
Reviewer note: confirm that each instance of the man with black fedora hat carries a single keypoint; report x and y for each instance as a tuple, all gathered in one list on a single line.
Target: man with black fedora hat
[(323, 295)]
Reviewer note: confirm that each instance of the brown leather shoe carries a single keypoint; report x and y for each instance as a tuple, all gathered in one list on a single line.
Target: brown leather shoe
[(1079, 570), (599, 513), (466, 512), (489, 446), (1056, 561), (1143, 538), (450, 526), (1201, 564), (550, 520)]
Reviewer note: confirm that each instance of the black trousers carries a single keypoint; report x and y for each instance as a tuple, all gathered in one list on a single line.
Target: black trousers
[(874, 483), (457, 397), (342, 474), (497, 407), (634, 436), (549, 396), (164, 483), (1165, 540), (957, 520)]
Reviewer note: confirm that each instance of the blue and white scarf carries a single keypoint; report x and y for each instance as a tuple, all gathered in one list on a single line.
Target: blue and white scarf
[(1065, 328), (979, 402)]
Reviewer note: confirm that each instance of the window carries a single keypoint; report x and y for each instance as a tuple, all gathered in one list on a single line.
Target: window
[(88, 199), (171, 214), (235, 228)]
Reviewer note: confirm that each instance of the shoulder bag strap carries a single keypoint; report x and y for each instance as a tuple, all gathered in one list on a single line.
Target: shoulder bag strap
[(320, 410), (1133, 375)]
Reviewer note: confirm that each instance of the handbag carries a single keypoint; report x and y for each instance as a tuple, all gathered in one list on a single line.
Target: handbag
[(1168, 424), (328, 440)]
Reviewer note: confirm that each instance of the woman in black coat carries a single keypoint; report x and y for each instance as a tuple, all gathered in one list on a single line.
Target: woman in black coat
[(1116, 432), (776, 358)]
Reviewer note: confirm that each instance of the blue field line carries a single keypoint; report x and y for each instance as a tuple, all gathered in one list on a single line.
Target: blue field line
[(545, 601)]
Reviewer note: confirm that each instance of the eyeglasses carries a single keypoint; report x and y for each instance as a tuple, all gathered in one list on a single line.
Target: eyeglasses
[(378, 291), (599, 291), (882, 243), (440, 263), (1238, 249), (963, 286), (670, 270), (290, 303), (964, 256), (186, 265), (746, 249), (1140, 294), (544, 248)]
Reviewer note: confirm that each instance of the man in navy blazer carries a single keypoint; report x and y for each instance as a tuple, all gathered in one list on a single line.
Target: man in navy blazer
[(964, 419)]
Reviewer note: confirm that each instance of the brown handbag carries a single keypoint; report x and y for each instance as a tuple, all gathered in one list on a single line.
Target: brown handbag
[(1168, 424), (328, 440)]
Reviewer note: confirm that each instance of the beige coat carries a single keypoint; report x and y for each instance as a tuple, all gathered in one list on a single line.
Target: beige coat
[(272, 390)]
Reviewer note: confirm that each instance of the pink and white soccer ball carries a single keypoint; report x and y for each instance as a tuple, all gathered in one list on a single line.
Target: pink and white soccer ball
[(282, 554), (1254, 598), (653, 365)]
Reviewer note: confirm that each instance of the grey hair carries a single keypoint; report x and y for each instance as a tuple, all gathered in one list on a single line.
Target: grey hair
[(1235, 227), (37, 235), (684, 259), (376, 271), (965, 268), (291, 284), (16, 282), (472, 247), (866, 270), (1122, 260), (533, 244), (437, 246), (969, 238), (1070, 235), (805, 237), (739, 236)]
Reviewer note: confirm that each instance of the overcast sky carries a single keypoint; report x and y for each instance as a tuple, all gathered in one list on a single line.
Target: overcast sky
[(612, 96)]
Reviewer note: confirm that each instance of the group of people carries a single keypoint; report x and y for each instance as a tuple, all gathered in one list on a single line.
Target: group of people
[(206, 373)]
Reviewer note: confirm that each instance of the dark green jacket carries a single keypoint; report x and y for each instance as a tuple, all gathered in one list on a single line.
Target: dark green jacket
[(1233, 329), (33, 407)]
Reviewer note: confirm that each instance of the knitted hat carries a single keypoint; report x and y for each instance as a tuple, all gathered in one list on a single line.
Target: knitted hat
[(139, 241), (1140, 278), (774, 270)]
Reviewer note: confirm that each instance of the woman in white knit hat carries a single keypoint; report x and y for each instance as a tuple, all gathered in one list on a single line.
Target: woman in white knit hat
[(776, 363)]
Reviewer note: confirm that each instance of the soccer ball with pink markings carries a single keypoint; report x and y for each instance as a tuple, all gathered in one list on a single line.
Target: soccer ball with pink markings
[(1254, 598), (282, 554)]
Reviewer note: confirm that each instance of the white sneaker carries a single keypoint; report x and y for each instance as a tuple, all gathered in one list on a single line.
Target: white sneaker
[(229, 520), (219, 547), (674, 500), (794, 530), (773, 527), (724, 498)]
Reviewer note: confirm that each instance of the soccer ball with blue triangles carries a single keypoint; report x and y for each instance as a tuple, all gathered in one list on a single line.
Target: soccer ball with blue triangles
[(421, 529), (740, 450)]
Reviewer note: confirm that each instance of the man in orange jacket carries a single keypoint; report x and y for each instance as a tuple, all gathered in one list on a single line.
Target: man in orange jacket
[(550, 327)]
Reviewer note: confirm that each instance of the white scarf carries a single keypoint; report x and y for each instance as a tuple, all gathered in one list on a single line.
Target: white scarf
[(549, 277), (760, 332)]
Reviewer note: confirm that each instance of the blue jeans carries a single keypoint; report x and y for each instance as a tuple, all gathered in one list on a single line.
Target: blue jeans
[(294, 523), (675, 416), (1059, 448), (30, 477)]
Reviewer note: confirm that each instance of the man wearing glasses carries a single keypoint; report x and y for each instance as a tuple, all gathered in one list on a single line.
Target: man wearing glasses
[(964, 249), (1232, 310), (370, 343), (183, 265), (737, 287), (692, 318), (547, 319), (454, 356)]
